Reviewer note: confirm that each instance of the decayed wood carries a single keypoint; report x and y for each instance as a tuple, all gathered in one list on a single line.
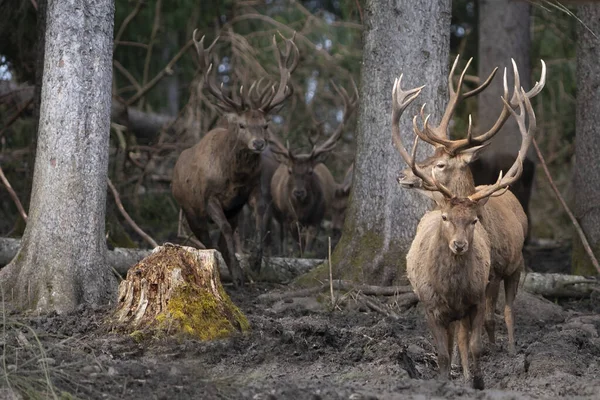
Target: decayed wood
[(558, 285), (177, 289)]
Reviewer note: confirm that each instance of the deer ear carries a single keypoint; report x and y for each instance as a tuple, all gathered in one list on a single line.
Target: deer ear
[(471, 154), (482, 202)]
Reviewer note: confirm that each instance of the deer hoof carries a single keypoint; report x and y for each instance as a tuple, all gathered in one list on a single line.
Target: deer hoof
[(478, 383)]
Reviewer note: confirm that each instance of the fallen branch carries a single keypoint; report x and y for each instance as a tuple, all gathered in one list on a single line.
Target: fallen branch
[(129, 220), (13, 195), (559, 285), (584, 241), (337, 285), (375, 305)]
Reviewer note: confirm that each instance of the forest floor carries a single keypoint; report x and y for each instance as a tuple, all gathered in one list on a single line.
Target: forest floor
[(300, 349)]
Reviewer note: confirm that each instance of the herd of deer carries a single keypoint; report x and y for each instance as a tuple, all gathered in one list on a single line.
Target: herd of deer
[(462, 249), (297, 190)]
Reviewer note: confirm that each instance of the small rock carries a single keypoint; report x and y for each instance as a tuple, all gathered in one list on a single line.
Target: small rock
[(174, 371)]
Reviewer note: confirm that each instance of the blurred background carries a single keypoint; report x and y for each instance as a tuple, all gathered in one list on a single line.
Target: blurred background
[(159, 108)]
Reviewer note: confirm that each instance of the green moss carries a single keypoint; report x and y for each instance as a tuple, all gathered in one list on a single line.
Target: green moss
[(198, 313), (580, 261)]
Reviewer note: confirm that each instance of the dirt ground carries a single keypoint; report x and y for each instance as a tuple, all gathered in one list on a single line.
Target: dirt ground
[(300, 349)]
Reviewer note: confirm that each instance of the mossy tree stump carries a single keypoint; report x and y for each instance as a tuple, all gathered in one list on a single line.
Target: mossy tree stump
[(177, 289)]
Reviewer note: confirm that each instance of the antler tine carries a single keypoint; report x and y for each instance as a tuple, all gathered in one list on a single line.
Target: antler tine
[(226, 103), (283, 59), (278, 148), (349, 107), (441, 131), (514, 173), (421, 134), (537, 88), (400, 100), (481, 87)]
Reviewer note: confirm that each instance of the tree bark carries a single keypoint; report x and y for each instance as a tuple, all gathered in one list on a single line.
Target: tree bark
[(410, 37), (587, 140), (503, 34), (62, 259)]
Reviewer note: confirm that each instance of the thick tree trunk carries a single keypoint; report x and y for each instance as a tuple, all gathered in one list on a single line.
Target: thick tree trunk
[(62, 259), (503, 34), (177, 289), (587, 141), (410, 37)]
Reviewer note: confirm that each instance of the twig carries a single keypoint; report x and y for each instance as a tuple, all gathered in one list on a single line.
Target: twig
[(155, 25), (15, 116), (13, 195), (338, 285), (126, 22), (166, 70), (378, 307), (330, 273), (584, 241), (129, 220), (127, 75)]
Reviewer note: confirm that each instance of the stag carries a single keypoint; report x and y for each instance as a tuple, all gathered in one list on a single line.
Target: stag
[(448, 264), (303, 187), (213, 179), (503, 216)]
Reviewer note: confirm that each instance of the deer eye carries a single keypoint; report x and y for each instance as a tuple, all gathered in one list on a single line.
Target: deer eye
[(474, 221), (265, 126), (444, 217), (440, 165), (242, 126)]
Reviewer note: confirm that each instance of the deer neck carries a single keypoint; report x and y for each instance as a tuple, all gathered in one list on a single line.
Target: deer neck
[(464, 185), (243, 161)]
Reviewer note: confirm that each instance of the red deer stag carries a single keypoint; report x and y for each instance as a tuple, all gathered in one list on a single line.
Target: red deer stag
[(448, 264), (302, 187), (503, 217), (213, 179)]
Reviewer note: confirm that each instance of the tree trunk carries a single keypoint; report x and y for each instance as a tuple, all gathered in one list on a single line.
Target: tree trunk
[(410, 37), (62, 259), (587, 140), (177, 289), (503, 34)]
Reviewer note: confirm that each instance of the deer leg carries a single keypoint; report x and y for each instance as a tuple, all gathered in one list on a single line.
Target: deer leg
[(451, 332), (215, 211), (511, 285), (311, 233), (476, 319), (440, 337), (491, 297), (199, 227), (464, 327)]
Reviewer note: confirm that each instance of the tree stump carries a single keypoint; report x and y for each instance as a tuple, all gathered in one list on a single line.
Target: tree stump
[(177, 289)]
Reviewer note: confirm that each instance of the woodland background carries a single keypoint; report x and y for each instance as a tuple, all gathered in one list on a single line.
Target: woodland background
[(155, 78)]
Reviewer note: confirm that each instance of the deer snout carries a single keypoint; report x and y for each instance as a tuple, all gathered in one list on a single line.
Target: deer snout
[(459, 246), (299, 194), (408, 180), (259, 144)]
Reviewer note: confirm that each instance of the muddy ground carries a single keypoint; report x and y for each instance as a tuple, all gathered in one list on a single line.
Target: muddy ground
[(300, 349)]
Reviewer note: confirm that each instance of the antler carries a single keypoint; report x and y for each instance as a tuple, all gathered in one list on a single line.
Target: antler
[(400, 100), (283, 58), (349, 106), (516, 169), (441, 131), (432, 136), (226, 103)]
